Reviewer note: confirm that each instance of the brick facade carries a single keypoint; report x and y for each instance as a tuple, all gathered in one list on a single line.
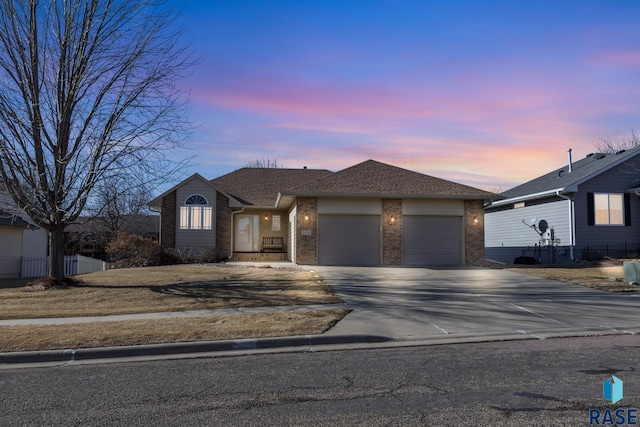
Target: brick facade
[(391, 232), (474, 232), (223, 226), (168, 221), (307, 231)]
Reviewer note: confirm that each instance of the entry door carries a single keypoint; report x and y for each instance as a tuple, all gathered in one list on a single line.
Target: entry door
[(247, 233)]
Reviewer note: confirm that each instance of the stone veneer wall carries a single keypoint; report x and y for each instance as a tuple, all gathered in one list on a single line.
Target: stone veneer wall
[(474, 232), (168, 221), (223, 226), (391, 232), (307, 245)]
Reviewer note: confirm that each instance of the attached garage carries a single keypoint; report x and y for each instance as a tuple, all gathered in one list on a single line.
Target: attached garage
[(432, 240), (349, 240)]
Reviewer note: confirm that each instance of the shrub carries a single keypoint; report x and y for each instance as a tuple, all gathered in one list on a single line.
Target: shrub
[(130, 250), (188, 255)]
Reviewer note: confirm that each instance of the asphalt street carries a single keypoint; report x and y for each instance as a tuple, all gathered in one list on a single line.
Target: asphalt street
[(519, 383)]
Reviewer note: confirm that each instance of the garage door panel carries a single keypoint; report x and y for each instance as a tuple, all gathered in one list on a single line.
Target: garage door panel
[(432, 240), (349, 240)]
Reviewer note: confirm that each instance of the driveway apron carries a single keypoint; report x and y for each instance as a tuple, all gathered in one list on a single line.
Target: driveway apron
[(419, 303)]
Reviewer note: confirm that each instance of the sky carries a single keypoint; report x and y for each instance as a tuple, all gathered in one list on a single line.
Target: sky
[(485, 93)]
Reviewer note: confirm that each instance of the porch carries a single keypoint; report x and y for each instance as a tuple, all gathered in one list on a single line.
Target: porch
[(259, 256)]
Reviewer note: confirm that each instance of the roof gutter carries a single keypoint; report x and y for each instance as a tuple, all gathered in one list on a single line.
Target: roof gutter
[(553, 192)]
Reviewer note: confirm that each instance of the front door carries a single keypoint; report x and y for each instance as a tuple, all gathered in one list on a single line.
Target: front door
[(247, 233)]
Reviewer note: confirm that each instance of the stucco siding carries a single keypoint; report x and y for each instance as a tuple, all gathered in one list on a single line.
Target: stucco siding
[(438, 207), (195, 238), (336, 206), (505, 228)]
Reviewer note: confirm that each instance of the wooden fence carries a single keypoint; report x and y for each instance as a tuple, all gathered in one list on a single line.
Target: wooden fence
[(73, 264)]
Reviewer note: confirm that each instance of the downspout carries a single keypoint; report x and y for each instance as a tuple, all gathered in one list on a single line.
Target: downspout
[(232, 231), (572, 221)]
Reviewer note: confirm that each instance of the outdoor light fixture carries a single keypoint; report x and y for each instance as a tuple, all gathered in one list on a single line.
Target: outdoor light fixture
[(306, 217), (266, 217), (475, 219), (392, 219)]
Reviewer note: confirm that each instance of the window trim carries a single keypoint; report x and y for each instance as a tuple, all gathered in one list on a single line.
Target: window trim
[(195, 214), (625, 210)]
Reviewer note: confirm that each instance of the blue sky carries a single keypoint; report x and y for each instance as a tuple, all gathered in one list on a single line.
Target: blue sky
[(486, 93)]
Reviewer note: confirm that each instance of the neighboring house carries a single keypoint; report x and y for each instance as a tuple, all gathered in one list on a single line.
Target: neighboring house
[(89, 235), (20, 238), (571, 213), (368, 214)]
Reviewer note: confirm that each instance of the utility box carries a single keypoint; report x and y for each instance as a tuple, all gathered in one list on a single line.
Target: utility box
[(631, 271)]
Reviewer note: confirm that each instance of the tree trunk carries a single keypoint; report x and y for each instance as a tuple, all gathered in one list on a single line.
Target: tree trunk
[(56, 260)]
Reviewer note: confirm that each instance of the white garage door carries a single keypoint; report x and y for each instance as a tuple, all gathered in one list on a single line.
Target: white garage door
[(349, 239), (432, 240)]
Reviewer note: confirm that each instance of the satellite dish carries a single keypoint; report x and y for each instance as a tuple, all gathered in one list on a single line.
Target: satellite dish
[(530, 222), (543, 226)]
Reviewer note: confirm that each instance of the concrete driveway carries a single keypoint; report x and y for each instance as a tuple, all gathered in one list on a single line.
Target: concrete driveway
[(419, 303)]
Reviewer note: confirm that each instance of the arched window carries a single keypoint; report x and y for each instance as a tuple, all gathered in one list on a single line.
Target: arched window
[(196, 214), (196, 199)]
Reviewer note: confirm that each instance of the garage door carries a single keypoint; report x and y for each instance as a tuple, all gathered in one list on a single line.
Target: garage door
[(432, 240), (349, 240)]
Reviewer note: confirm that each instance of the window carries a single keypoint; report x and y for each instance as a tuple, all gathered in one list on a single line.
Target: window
[(275, 222), (609, 209), (196, 215)]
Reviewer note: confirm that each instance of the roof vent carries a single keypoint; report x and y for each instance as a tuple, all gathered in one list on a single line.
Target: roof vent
[(570, 160), (600, 156), (590, 154), (620, 152), (560, 173), (304, 167)]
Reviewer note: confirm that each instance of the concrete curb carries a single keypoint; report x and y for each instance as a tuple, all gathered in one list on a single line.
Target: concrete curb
[(72, 355)]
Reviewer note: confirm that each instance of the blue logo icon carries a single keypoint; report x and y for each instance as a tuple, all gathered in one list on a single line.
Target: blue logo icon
[(612, 389)]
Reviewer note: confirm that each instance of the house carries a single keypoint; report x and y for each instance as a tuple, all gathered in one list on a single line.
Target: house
[(88, 236), (368, 214), (20, 238), (578, 211)]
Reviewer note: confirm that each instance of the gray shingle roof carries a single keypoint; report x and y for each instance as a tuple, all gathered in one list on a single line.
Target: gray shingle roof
[(260, 186), (375, 179), (10, 220), (582, 170)]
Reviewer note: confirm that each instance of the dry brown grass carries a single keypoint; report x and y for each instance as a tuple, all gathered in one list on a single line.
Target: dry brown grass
[(107, 334), (601, 277), (168, 288)]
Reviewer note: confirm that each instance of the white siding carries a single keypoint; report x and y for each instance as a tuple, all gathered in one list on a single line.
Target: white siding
[(506, 229), (10, 251), (438, 207), (349, 206), (195, 238), (34, 243)]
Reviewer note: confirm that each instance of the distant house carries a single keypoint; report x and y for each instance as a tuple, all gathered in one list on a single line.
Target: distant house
[(20, 238), (88, 236), (368, 214), (583, 210)]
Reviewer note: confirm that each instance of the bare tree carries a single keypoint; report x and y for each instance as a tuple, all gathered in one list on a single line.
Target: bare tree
[(265, 163), (610, 145), (88, 90), (119, 205)]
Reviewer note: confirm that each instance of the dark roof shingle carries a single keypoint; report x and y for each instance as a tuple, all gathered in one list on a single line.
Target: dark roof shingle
[(372, 178), (260, 186), (581, 171)]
